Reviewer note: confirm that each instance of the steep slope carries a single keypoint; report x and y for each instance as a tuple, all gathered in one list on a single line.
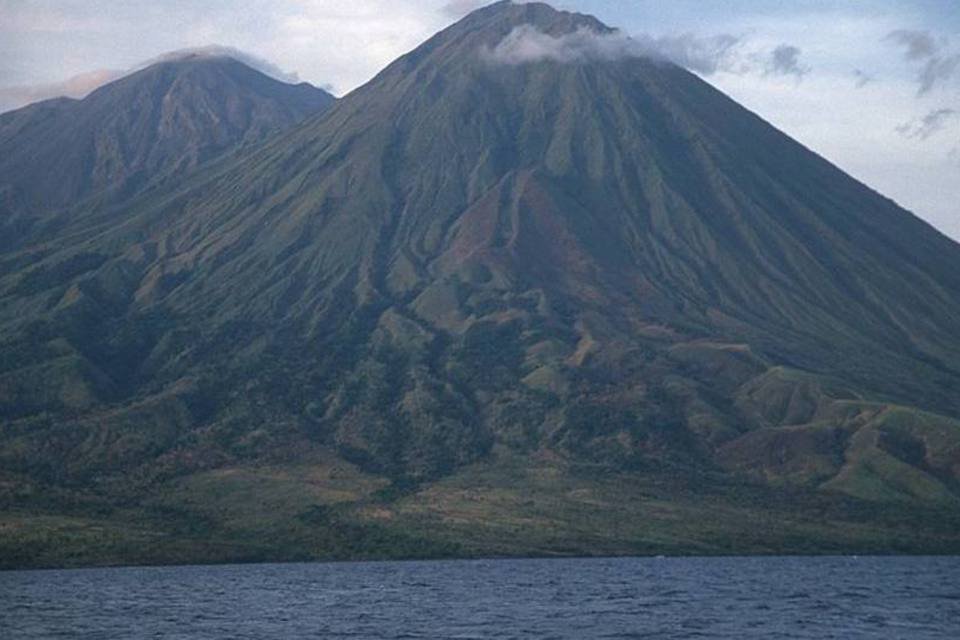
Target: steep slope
[(602, 267), (166, 118)]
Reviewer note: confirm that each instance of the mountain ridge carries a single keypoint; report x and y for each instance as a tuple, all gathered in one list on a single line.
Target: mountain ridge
[(166, 118)]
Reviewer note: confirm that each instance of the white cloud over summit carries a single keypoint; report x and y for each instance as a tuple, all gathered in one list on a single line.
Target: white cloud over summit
[(527, 44), (705, 55), (219, 51)]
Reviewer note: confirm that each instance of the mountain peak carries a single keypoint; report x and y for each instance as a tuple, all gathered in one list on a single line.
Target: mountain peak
[(175, 112), (467, 41), (218, 54), (539, 15)]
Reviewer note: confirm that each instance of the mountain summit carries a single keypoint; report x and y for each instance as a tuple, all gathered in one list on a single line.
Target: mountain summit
[(521, 281), (162, 120)]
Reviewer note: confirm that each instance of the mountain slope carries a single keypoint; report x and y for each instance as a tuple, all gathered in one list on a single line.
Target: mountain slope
[(601, 268), (166, 118)]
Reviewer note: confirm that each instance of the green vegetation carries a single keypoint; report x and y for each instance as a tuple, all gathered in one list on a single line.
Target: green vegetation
[(507, 506), (548, 308)]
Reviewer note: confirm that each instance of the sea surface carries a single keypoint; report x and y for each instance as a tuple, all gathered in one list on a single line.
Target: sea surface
[(763, 597)]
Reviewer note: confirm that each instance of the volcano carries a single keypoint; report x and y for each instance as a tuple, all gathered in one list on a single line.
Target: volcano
[(573, 302), (160, 121)]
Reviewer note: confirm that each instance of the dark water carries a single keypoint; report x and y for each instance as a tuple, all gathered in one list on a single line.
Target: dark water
[(616, 598)]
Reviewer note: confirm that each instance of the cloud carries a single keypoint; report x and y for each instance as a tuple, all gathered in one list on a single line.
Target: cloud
[(862, 78), (341, 42), (785, 61), (705, 55), (937, 70), (527, 44), (78, 86), (82, 85), (54, 18), (218, 51), (929, 124), (919, 45), (938, 67)]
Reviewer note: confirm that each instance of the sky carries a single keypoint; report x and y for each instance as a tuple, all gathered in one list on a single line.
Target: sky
[(872, 85)]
